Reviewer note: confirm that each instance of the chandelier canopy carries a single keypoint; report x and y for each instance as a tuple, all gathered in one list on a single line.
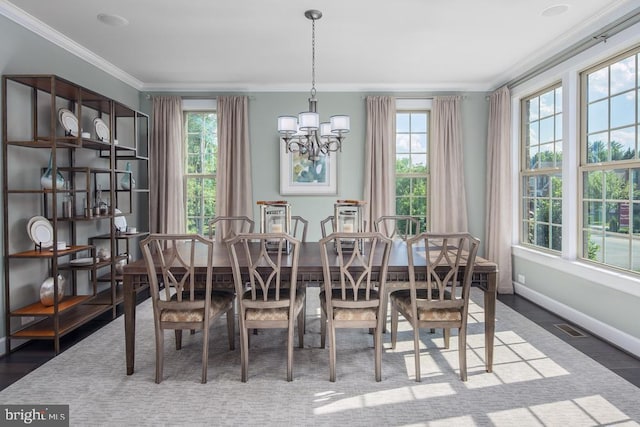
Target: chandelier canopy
[(305, 133)]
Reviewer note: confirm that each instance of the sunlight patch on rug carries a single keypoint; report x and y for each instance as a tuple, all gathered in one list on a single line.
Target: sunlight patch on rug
[(388, 397)]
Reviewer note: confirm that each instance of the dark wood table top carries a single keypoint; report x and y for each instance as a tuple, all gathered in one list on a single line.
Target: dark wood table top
[(309, 260)]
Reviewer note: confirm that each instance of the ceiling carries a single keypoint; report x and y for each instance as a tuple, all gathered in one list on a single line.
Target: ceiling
[(361, 45)]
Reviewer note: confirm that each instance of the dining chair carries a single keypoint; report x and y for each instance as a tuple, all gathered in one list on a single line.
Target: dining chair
[(181, 304), (351, 296), (444, 263), (325, 224), (399, 227), (268, 296), (299, 227), (224, 227)]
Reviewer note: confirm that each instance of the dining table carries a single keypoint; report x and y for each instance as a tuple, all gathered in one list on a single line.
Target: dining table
[(310, 272)]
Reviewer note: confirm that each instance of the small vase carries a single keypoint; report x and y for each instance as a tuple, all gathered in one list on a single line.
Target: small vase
[(127, 182), (46, 180), (46, 290)]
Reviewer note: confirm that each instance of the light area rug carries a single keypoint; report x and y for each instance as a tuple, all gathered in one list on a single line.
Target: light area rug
[(538, 380)]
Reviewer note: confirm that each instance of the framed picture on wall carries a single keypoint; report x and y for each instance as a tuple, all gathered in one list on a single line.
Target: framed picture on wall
[(301, 176)]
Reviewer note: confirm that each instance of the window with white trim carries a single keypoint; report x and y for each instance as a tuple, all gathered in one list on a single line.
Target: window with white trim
[(541, 169), (201, 152), (412, 164), (610, 164)]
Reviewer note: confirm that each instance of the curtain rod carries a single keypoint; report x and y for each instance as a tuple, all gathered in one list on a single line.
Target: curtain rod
[(595, 38), (430, 97), (251, 97)]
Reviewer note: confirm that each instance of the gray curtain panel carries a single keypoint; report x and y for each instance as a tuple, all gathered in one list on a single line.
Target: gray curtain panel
[(166, 167), (499, 186), (234, 194), (379, 170), (448, 195)]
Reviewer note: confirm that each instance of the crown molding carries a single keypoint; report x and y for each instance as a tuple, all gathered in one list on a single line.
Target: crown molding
[(337, 87), (38, 27)]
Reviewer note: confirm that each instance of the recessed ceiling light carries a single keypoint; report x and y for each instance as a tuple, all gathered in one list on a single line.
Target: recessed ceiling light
[(555, 10), (112, 20)]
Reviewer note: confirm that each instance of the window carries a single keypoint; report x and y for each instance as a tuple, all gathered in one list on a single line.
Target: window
[(541, 169), (609, 165), (201, 153), (412, 166)]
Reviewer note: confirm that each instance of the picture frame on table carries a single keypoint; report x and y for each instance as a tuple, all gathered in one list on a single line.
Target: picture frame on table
[(303, 177)]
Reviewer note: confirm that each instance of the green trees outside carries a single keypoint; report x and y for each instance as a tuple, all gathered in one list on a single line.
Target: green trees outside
[(543, 202), (200, 169), (544, 227), (411, 190), (598, 152), (609, 194)]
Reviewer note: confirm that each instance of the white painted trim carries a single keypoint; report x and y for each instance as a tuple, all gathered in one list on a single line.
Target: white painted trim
[(3, 346), (199, 104), (38, 27), (617, 280), (413, 103), (616, 337), (450, 87)]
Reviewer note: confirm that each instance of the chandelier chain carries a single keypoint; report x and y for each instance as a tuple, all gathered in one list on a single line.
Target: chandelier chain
[(313, 58)]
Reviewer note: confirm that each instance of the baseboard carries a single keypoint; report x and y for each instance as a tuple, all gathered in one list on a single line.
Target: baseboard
[(614, 336), (2, 346)]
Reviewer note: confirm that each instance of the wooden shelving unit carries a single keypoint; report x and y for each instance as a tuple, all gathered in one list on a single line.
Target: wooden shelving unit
[(31, 134)]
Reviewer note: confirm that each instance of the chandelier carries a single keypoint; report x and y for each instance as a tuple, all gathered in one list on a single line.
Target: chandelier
[(305, 134)]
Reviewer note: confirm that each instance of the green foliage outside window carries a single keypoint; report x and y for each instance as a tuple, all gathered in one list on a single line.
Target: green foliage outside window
[(412, 171), (201, 149)]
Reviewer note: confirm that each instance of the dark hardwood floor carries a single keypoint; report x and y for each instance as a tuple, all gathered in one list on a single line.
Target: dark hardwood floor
[(32, 355)]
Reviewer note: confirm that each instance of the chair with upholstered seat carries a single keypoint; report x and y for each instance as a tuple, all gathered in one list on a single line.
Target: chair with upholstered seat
[(444, 264), (267, 296), (351, 296), (224, 227), (181, 304), (399, 227)]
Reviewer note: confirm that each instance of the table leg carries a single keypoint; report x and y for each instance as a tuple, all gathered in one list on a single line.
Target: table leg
[(490, 296), (129, 321)]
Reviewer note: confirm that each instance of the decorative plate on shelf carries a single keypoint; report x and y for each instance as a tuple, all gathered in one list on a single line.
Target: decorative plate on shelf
[(41, 231), (119, 221), (69, 122), (102, 130), (82, 261), (30, 223)]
